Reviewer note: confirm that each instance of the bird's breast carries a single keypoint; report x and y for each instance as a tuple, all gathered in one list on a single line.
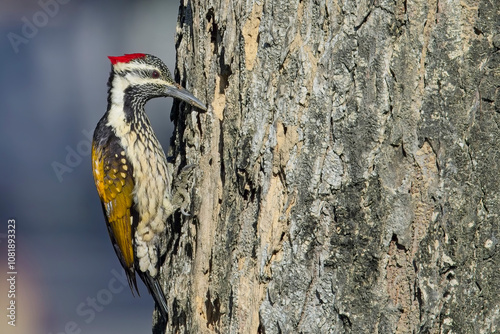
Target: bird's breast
[(152, 179)]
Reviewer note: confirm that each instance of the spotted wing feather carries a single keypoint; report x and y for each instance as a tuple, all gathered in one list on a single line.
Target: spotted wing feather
[(115, 185)]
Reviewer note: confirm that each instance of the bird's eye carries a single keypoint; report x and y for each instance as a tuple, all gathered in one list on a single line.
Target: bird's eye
[(155, 74)]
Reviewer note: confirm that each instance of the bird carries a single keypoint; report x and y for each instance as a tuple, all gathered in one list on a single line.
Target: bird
[(131, 172)]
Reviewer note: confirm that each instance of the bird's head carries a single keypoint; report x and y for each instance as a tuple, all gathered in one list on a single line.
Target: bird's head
[(144, 77)]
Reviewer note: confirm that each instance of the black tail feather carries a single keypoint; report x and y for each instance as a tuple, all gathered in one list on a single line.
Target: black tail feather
[(132, 282), (156, 291)]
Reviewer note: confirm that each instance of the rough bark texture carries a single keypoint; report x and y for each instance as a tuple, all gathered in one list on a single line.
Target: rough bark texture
[(346, 176)]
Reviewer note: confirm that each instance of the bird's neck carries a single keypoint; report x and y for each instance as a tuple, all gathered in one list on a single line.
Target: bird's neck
[(126, 107)]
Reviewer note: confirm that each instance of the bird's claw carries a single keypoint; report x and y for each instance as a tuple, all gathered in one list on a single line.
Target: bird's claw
[(185, 213)]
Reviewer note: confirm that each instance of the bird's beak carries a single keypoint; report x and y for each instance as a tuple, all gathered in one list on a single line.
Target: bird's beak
[(177, 91)]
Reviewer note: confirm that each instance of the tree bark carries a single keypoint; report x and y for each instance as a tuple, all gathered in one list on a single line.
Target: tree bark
[(346, 171)]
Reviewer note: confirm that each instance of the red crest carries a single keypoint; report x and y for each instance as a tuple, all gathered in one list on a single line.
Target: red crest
[(126, 58)]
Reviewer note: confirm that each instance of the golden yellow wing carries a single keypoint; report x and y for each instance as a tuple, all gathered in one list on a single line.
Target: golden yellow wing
[(115, 184)]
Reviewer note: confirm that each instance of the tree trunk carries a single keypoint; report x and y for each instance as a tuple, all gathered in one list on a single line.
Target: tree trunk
[(346, 171)]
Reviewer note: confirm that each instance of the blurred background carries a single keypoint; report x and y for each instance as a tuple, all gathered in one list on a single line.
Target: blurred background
[(53, 75)]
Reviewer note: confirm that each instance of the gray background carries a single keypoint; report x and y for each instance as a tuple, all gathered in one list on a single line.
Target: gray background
[(51, 91)]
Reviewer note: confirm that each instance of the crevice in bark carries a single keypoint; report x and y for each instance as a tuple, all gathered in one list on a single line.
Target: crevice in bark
[(346, 164)]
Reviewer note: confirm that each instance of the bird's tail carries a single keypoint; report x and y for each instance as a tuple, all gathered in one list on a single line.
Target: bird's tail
[(154, 288)]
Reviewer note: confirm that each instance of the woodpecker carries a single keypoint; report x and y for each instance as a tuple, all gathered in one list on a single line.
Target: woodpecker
[(131, 173)]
